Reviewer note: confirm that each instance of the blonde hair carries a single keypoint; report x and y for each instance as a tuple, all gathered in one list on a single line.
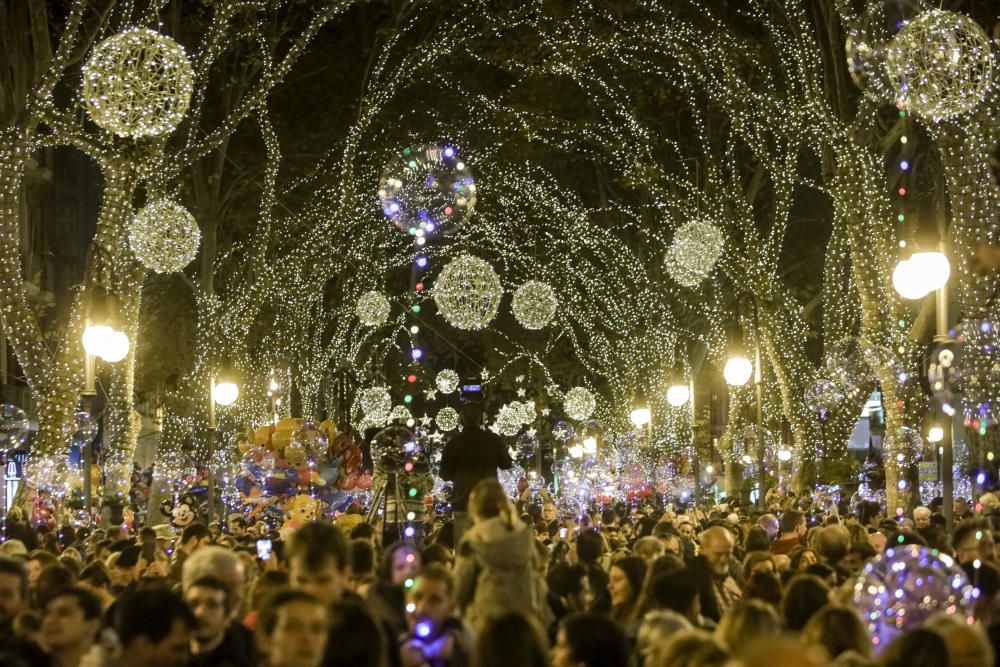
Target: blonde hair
[(489, 500)]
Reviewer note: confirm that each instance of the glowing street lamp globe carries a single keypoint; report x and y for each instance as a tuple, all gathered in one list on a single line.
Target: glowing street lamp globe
[(935, 434), (678, 395), (225, 393), (117, 347), (641, 416), (737, 371), (921, 274), (96, 339)]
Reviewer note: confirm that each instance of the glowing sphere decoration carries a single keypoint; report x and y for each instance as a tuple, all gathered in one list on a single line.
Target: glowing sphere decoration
[(868, 39), (753, 446), (692, 255), (508, 421), (137, 84), (562, 430), (372, 309), (579, 403), (534, 304), (467, 292), (823, 397), (13, 427), (446, 381), (907, 585), (375, 404), (940, 64), (83, 428), (447, 419), (164, 236), (979, 370), (426, 190), (904, 446), (847, 366)]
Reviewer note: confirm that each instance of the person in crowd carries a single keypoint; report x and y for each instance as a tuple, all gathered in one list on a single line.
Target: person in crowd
[(759, 561), (967, 644), (318, 559), (718, 589), (922, 647), (436, 635), (656, 628), (839, 630), (793, 527), (921, 517), (589, 640), (495, 564), (154, 628), (764, 586), (625, 580), (470, 456), (589, 549), (801, 558), (746, 622), (691, 648), (14, 596), (220, 563), (973, 541), (193, 537), (94, 577), (569, 591), (71, 621), (386, 596), (962, 510), (769, 522), (756, 541), (806, 594), (217, 640), (512, 638), (678, 592), (363, 566), (648, 549), (292, 629)]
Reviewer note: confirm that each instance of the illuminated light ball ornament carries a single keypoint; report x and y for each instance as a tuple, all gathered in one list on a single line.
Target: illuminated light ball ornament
[(508, 421), (752, 446), (979, 370), (375, 404), (426, 190), (904, 446), (563, 430), (823, 398), (446, 381), (692, 255), (527, 446), (534, 304), (400, 413), (164, 236), (940, 65), (467, 292), (579, 403), (138, 84), (83, 428), (847, 366), (524, 411), (13, 427), (447, 419), (905, 586), (868, 39), (372, 309)]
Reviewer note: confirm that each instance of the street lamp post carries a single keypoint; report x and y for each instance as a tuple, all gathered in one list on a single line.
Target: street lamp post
[(223, 391)]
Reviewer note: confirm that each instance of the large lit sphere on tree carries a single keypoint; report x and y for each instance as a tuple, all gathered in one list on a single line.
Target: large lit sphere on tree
[(375, 404), (534, 304), (694, 251), (373, 309), (447, 419), (467, 292), (579, 403), (164, 236), (426, 190), (138, 84), (13, 427), (446, 381), (868, 39), (940, 64), (508, 421), (905, 586)]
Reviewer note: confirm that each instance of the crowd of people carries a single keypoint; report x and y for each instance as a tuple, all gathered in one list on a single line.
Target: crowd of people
[(523, 586)]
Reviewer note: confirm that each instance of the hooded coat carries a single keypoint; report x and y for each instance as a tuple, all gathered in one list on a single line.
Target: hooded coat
[(495, 571)]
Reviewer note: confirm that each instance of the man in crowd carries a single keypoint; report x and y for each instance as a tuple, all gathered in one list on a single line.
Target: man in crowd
[(921, 517), (436, 635), (793, 527), (154, 628), (293, 630), (217, 640), (472, 455), (194, 537), (13, 600), (718, 590), (70, 624)]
